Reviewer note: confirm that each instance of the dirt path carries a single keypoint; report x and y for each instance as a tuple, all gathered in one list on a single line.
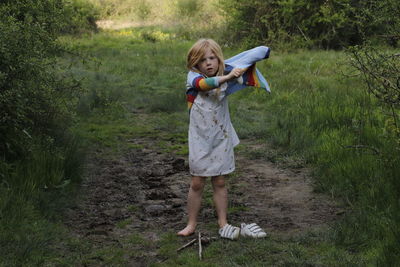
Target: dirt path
[(280, 199), (145, 190), (108, 24)]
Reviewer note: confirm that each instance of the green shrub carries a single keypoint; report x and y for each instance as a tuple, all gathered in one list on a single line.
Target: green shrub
[(143, 10), (79, 17), (36, 98), (187, 8), (375, 186), (38, 155), (27, 85), (327, 24)]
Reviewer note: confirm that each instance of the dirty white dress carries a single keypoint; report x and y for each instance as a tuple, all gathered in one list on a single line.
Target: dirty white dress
[(211, 135)]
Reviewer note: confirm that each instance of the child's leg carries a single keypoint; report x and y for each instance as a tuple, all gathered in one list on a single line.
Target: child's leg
[(220, 199), (193, 204)]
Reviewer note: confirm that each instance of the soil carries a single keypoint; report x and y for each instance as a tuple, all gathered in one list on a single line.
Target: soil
[(147, 190)]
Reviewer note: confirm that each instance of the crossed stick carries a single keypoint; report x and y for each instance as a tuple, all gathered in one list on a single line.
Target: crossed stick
[(201, 241)]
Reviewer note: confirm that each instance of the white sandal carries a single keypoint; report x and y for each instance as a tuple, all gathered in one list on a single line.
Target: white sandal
[(229, 231), (252, 230)]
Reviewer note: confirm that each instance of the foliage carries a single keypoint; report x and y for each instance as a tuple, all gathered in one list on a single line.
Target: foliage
[(138, 9), (188, 8), (187, 19), (79, 16), (143, 9), (33, 88), (30, 90), (33, 92), (380, 70), (328, 24), (38, 153)]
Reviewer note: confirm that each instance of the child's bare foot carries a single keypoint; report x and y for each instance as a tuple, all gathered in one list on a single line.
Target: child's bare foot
[(188, 230)]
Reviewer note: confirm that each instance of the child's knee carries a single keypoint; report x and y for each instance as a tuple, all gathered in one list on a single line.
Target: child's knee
[(197, 185), (218, 182)]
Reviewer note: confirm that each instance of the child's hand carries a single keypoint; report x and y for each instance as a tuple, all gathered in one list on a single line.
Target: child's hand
[(236, 72)]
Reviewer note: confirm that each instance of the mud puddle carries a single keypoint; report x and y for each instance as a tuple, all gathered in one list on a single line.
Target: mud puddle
[(144, 192)]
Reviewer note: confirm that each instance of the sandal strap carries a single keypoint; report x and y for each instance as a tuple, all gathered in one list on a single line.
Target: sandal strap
[(254, 228), (227, 231)]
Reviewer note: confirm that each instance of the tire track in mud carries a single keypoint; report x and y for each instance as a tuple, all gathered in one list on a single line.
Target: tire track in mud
[(146, 190)]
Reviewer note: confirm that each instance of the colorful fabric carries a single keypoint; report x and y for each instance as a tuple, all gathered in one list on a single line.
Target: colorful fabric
[(252, 76), (205, 83), (200, 83)]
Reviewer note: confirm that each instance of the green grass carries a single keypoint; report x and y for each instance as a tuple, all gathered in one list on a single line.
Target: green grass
[(315, 116), (327, 119), (301, 249), (32, 194), (30, 225)]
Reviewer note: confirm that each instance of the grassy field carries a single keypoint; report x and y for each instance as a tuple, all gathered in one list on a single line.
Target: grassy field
[(318, 115), (315, 111)]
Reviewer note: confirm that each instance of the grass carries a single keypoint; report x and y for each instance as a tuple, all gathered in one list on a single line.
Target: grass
[(315, 116), (32, 193), (31, 228), (302, 249)]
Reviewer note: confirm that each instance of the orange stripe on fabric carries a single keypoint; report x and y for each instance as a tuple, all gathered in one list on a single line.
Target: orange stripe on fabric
[(203, 84), (255, 78)]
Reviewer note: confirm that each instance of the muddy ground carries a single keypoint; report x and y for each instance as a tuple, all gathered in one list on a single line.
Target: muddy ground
[(145, 190)]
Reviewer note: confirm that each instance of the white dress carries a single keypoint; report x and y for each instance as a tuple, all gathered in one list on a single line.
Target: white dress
[(211, 135)]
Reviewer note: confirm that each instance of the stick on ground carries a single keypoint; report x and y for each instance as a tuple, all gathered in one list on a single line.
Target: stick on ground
[(200, 247), (187, 244)]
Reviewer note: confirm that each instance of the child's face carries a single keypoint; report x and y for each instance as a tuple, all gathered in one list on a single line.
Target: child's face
[(208, 65)]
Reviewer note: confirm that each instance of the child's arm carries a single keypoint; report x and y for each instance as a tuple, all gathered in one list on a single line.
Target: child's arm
[(236, 72), (206, 84)]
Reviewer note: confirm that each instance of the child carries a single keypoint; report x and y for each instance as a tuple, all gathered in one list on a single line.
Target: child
[(211, 134)]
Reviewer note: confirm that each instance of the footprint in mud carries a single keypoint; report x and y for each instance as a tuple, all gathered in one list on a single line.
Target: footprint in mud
[(148, 189), (146, 186)]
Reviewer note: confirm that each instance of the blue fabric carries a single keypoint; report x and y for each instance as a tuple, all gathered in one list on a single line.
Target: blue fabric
[(249, 57), (244, 59)]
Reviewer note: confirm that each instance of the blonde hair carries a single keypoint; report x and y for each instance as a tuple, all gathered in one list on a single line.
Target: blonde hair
[(197, 52)]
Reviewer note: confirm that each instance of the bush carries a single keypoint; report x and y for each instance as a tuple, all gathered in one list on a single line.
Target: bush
[(37, 102), (187, 8), (80, 17), (37, 152), (378, 195), (327, 24), (29, 88), (38, 155)]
